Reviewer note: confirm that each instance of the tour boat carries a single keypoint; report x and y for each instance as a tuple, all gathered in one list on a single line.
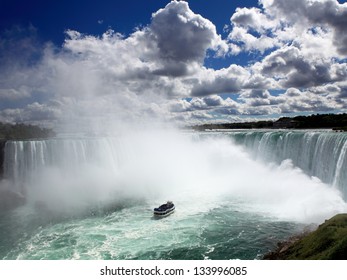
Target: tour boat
[(164, 209)]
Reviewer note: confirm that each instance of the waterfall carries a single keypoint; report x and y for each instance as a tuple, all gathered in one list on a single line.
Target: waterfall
[(25, 159), (102, 172), (319, 153), (69, 170)]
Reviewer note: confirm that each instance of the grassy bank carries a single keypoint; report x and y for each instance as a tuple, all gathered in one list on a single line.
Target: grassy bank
[(327, 242)]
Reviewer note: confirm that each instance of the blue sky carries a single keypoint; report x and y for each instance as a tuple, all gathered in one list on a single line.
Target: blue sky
[(52, 18), (93, 17), (179, 62)]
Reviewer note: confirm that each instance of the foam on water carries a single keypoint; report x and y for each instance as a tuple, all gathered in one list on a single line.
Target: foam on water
[(93, 197)]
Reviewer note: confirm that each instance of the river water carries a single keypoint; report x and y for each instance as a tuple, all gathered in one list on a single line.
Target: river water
[(236, 193)]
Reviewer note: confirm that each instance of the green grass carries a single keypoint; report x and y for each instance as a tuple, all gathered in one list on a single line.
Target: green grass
[(328, 242)]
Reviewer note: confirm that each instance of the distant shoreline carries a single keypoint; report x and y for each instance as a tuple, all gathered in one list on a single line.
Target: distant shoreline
[(23, 132), (336, 122)]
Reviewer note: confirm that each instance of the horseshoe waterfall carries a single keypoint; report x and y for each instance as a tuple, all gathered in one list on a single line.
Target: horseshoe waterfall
[(236, 193)]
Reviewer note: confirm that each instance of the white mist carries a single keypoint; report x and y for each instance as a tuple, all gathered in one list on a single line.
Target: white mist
[(153, 166)]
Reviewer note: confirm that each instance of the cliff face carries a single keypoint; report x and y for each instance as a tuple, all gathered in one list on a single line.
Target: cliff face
[(327, 242)]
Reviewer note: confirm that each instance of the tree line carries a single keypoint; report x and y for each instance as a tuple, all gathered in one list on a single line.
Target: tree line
[(23, 131), (332, 121)]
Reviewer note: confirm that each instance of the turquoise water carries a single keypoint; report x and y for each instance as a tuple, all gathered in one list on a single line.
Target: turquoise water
[(219, 233), (236, 194)]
